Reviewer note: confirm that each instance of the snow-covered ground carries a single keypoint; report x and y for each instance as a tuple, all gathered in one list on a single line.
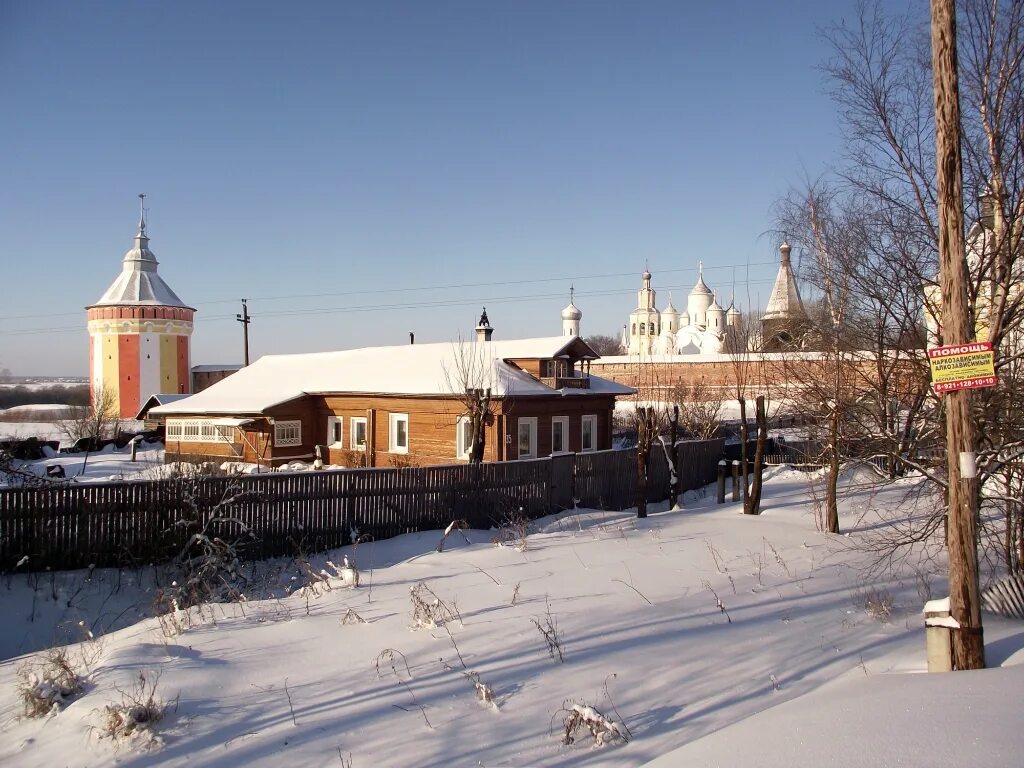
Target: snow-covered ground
[(20, 430), (34, 407), (714, 638)]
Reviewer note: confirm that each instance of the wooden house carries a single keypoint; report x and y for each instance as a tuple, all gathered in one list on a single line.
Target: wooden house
[(393, 406)]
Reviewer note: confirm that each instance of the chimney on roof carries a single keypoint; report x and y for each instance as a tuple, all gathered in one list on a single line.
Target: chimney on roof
[(483, 327), (412, 337)]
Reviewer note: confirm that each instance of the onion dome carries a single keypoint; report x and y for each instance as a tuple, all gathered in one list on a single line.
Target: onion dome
[(572, 312), (701, 288)]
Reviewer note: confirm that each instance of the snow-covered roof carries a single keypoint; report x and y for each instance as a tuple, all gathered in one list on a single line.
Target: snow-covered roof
[(411, 369), (158, 399), (139, 284), (214, 368)]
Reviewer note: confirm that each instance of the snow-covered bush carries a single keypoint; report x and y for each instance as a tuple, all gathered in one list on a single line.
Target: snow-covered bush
[(514, 530), (136, 714), (208, 567), (603, 730), (347, 571), (428, 610), (45, 685), (878, 603)]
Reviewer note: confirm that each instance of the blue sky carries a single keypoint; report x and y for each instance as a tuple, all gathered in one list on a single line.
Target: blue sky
[(346, 165)]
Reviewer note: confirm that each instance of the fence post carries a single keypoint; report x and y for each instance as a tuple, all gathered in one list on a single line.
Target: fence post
[(735, 480), (721, 481)]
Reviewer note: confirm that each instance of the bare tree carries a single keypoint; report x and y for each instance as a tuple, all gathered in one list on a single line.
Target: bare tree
[(889, 96), (700, 409), (749, 376), (648, 419), (95, 422), (752, 499), (605, 345), (470, 380)]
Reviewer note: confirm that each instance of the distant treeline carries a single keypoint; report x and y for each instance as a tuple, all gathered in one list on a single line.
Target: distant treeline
[(73, 394)]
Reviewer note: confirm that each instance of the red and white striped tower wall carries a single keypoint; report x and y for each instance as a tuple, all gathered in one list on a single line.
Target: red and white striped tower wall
[(139, 334)]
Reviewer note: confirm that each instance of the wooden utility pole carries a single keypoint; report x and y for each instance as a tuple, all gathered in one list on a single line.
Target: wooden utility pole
[(245, 318), (964, 597)]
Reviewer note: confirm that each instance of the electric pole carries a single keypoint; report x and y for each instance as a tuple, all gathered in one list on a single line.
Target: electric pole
[(964, 593), (245, 318)]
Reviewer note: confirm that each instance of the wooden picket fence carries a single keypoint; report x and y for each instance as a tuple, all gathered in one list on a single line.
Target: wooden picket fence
[(75, 525)]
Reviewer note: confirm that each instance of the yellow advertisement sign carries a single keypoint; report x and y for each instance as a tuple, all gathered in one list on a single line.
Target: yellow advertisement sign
[(962, 366)]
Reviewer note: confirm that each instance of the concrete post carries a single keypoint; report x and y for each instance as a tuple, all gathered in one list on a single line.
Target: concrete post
[(721, 480), (938, 631), (735, 480)]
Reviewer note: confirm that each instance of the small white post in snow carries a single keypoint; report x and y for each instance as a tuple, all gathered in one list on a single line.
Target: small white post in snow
[(938, 638), (135, 445)]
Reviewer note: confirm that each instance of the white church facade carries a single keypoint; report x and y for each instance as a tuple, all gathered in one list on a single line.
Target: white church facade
[(701, 329)]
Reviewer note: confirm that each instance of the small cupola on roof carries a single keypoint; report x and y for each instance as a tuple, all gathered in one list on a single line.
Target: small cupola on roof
[(715, 315), (571, 316), (139, 284), (733, 316), (670, 317)]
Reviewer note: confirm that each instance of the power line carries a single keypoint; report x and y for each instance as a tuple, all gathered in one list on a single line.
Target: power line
[(450, 286), (507, 299)]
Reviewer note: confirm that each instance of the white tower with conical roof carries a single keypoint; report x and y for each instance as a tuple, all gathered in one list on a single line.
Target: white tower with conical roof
[(785, 318), (139, 333)]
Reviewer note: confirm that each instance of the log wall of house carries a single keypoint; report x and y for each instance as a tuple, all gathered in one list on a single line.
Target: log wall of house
[(432, 426), (432, 430), (432, 423), (545, 409)]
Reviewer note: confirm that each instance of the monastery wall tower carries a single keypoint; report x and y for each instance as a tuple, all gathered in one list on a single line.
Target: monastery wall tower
[(139, 333), (784, 324)]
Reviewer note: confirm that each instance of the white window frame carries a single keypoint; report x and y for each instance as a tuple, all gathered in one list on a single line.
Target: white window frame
[(354, 423), (564, 421), (197, 431), (463, 441), (288, 433), (531, 422), (332, 422), (592, 420), (394, 419)]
